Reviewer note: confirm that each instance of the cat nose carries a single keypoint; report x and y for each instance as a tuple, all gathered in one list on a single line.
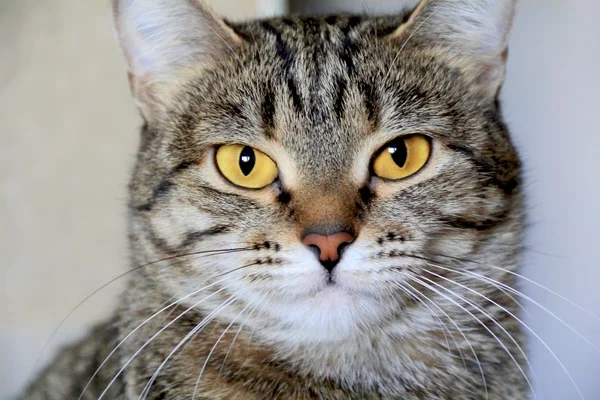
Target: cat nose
[(329, 246)]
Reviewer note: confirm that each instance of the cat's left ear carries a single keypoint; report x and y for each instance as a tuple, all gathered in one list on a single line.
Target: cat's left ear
[(162, 41), (471, 34)]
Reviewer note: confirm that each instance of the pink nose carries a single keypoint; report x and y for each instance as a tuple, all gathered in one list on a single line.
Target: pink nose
[(329, 246)]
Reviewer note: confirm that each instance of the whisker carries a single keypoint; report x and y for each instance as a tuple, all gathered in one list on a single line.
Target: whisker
[(442, 325), (213, 349), (494, 282), (462, 298), (528, 298), (262, 310), (481, 309), (461, 332), (61, 323), (404, 44), (238, 333), (205, 321), (139, 326), (226, 44), (153, 337), (526, 279), (236, 269)]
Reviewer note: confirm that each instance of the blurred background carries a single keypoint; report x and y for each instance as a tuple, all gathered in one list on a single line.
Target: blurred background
[(68, 137)]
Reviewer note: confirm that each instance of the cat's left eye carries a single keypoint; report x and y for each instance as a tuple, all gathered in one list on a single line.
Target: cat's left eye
[(245, 166), (402, 157)]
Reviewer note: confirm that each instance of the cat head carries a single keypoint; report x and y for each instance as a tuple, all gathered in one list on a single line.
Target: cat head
[(324, 170)]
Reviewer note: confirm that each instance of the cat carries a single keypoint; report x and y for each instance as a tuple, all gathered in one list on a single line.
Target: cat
[(322, 207)]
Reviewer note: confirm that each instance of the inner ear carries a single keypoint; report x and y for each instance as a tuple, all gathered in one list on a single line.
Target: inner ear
[(163, 40)]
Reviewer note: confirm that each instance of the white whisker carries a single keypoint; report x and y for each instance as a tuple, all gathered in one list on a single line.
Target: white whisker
[(205, 321), (139, 326), (481, 309), (560, 296), (238, 333), (213, 349), (462, 298), (492, 281), (442, 325), (461, 332), (404, 44), (154, 336)]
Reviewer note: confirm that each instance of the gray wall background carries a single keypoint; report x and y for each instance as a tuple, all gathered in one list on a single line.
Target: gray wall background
[(68, 135)]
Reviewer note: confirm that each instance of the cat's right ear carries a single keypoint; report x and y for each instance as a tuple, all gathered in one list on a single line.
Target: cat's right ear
[(162, 41)]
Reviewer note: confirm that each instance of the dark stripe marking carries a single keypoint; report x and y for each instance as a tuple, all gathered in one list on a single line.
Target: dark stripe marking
[(288, 60), (296, 98), (190, 238), (347, 51), (479, 225), (284, 197), (370, 100), (164, 187), (267, 112), (338, 106), (491, 174), (352, 23)]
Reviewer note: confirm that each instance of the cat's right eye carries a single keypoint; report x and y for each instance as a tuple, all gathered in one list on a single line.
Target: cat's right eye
[(245, 166)]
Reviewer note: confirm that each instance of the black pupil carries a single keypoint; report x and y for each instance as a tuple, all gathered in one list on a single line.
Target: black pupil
[(398, 150), (247, 160)]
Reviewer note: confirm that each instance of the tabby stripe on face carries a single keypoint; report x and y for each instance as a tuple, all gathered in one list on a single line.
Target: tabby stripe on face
[(163, 187), (267, 111), (371, 102), (508, 185), (288, 60), (190, 238), (479, 225), (338, 106), (346, 55), (347, 52)]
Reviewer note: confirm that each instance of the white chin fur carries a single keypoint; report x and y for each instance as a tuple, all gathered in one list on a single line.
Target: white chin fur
[(332, 314)]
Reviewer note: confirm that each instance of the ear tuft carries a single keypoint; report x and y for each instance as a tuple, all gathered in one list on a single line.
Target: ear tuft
[(160, 39), (473, 32)]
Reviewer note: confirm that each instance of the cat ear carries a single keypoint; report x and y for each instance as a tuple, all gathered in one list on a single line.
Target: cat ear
[(164, 39), (473, 33)]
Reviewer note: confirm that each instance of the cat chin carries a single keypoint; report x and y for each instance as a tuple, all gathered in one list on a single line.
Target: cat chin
[(332, 314)]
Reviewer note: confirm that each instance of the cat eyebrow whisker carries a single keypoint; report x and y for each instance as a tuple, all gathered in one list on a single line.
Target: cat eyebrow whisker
[(460, 331), (405, 42)]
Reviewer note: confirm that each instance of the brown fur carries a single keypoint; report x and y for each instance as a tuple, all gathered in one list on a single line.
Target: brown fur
[(320, 96)]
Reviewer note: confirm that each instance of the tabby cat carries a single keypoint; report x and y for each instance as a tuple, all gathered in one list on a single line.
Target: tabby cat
[(322, 207)]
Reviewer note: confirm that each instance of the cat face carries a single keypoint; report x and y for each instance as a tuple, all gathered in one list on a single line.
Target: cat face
[(278, 162)]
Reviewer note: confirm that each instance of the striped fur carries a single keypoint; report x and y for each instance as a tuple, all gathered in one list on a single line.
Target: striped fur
[(407, 317)]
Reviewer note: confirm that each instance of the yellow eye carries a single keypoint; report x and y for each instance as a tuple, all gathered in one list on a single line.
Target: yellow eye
[(402, 157), (245, 166)]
